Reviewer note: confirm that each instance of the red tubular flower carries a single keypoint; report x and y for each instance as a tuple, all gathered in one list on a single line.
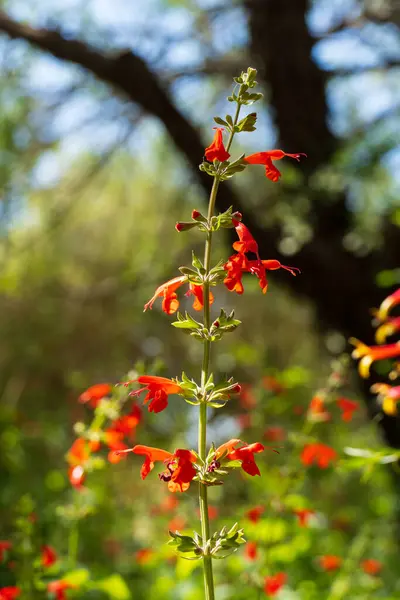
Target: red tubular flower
[(348, 407), (81, 450), (246, 241), (371, 566), (59, 588), (251, 550), (254, 514), (389, 396), (244, 453), (158, 388), (94, 394), (390, 327), (216, 150), (4, 546), (238, 264), (317, 411), (330, 562), (9, 593), (370, 354), (388, 304), (48, 557), (303, 516), (170, 303), (318, 454), (197, 292), (179, 465), (274, 583), (266, 158)]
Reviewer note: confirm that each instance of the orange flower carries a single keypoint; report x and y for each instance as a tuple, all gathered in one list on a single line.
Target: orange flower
[(127, 423), (390, 327), (389, 396), (303, 515), (317, 411), (330, 562), (275, 434), (371, 566), (246, 241), (348, 407), (318, 454), (245, 454), (94, 394), (9, 593), (370, 354), (216, 150), (179, 470), (273, 583), (4, 546), (254, 514), (238, 264), (158, 388), (251, 550), (170, 303), (59, 588), (81, 450), (266, 158), (48, 557), (388, 304)]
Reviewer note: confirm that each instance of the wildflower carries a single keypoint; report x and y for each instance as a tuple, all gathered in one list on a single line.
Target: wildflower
[(348, 407), (275, 434), (246, 241), (216, 150), (158, 388), (76, 476), (59, 588), (389, 396), (115, 443), (4, 546), (273, 583), (9, 593), (179, 470), (128, 423), (388, 304), (177, 523), (95, 393), (254, 514), (251, 550), (330, 562), (246, 396), (371, 566), (317, 411), (318, 454), (77, 457), (303, 516), (370, 354), (238, 264), (245, 454), (266, 158), (48, 557), (143, 556), (270, 383), (170, 303), (390, 327)]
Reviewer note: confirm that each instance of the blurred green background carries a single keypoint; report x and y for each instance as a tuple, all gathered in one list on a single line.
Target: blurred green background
[(106, 109)]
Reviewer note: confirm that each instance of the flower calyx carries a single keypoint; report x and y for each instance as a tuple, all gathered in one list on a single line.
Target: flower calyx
[(226, 541), (198, 220), (225, 219), (190, 548)]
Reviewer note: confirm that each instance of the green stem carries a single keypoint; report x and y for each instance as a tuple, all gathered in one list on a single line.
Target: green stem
[(205, 372), (73, 543)]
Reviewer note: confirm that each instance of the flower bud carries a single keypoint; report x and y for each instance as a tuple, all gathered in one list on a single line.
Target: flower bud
[(183, 226), (195, 214), (237, 216)]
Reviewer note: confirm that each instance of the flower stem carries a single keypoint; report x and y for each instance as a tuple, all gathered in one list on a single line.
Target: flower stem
[(205, 372)]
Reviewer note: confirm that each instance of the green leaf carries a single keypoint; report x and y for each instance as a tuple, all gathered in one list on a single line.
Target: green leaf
[(220, 121), (78, 577), (115, 587)]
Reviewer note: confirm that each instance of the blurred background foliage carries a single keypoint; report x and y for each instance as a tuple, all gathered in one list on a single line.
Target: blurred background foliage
[(95, 168)]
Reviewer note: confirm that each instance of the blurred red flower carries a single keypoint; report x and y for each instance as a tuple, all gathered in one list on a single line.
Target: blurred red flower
[(251, 550), (48, 556), (318, 454), (275, 434), (303, 515), (348, 407), (59, 588), (4, 545), (273, 583), (254, 514), (330, 562), (94, 394), (371, 566), (9, 593)]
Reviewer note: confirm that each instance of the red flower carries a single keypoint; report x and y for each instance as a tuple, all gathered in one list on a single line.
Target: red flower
[(9, 593), (59, 588), (371, 566), (347, 407), (179, 470), (272, 384), (177, 523), (388, 304), (158, 388), (266, 158), (94, 394), (246, 241), (254, 514), (216, 150), (275, 434), (389, 396), (244, 453), (128, 423), (76, 476), (390, 327), (318, 454), (4, 545), (143, 556), (251, 550), (238, 264), (303, 515), (330, 562), (170, 303), (273, 583), (77, 456), (49, 556), (369, 354), (317, 411), (246, 396)]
